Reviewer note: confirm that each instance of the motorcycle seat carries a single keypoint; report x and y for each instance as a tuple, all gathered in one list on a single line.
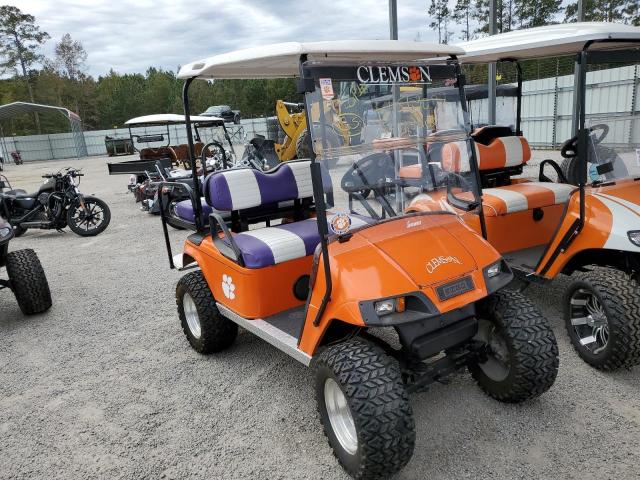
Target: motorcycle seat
[(19, 193), (21, 200)]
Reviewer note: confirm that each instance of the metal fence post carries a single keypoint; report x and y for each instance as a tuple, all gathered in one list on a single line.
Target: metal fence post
[(491, 94), (554, 137), (635, 86)]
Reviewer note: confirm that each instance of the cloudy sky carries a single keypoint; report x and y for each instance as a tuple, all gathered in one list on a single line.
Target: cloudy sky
[(131, 35)]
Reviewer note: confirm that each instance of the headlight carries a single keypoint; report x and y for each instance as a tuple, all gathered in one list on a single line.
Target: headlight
[(5, 232), (494, 270), (634, 237), (385, 307), (390, 305)]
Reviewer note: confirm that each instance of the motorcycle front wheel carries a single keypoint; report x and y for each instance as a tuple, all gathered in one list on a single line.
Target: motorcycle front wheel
[(91, 220)]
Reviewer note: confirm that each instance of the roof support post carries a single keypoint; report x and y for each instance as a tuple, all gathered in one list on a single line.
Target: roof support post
[(493, 29), (580, 14), (393, 19), (192, 156)]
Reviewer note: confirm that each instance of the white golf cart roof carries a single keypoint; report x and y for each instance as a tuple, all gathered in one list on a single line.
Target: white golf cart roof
[(282, 59), (170, 119), (547, 41)]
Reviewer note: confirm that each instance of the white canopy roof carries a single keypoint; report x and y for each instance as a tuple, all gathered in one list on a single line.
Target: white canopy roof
[(169, 119), (546, 41), (282, 59)]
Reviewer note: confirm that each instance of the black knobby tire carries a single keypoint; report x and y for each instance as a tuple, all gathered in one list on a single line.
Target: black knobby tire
[(372, 385), (217, 332), (92, 203), (619, 295), (28, 281), (18, 231), (170, 214), (530, 351), (174, 225), (569, 168)]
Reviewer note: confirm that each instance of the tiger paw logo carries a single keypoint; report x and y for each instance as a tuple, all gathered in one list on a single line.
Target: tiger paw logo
[(415, 74), (228, 288), (340, 223)]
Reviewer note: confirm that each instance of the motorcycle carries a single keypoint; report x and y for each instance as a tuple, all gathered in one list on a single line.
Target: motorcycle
[(58, 203)]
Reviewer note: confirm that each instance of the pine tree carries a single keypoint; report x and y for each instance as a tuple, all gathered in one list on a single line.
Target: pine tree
[(440, 17), (506, 16), (20, 39), (70, 57), (462, 15), (626, 11), (538, 13)]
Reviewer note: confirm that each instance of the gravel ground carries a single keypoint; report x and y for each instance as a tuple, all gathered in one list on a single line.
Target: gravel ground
[(104, 385)]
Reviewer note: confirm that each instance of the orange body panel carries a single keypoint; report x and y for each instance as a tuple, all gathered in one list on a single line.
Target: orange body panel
[(259, 292), (393, 258), (599, 222), (516, 231)]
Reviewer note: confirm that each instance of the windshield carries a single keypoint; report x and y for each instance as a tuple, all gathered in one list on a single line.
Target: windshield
[(386, 147), (613, 119)]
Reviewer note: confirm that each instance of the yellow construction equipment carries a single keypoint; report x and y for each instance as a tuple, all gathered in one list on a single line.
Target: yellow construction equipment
[(293, 122)]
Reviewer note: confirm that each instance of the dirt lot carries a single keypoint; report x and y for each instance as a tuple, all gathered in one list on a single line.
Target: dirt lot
[(104, 385)]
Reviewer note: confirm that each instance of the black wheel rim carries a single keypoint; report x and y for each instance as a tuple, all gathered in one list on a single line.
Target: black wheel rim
[(89, 218), (498, 360), (589, 321)]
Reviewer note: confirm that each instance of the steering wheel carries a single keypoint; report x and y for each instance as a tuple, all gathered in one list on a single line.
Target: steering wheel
[(569, 148), (221, 162)]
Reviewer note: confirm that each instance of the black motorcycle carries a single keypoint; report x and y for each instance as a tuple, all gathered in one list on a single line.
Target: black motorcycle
[(57, 204)]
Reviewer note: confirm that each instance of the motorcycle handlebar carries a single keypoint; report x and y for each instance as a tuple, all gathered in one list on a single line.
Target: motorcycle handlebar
[(71, 173)]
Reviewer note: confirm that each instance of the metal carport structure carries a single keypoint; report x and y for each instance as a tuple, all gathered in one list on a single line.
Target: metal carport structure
[(17, 108)]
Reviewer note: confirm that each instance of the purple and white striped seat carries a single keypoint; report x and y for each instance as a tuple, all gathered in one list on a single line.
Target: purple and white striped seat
[(244, 188), (272, 245), (184, 210)]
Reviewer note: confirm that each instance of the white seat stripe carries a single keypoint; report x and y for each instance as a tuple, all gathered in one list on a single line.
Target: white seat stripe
[(515, 201), (284, 244), (244, 189), (513, 151), (561, 191), (302, 173)]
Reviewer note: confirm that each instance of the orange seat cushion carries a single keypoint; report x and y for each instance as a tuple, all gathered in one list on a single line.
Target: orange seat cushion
[(524, 196)]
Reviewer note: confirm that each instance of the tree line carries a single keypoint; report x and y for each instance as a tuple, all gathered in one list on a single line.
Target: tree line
[(109, 100), (472, 16)]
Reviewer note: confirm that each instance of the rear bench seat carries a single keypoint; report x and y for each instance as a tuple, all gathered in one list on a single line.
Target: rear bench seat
[(503, 153), (243, 189), (246, 189)]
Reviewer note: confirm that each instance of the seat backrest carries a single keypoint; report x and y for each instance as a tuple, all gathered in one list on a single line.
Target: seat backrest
[(179, 152), (487, 134), (501, 153), (244, 188), (153, 153)]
